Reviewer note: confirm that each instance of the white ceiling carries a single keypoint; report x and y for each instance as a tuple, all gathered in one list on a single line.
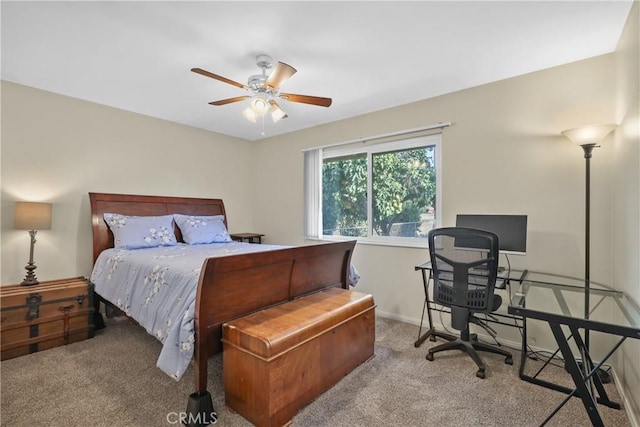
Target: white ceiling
[(367, 56)]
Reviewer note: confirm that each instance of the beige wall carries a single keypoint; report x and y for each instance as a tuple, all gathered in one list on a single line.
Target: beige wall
[(626, 186), (57, 149), (503, 154)]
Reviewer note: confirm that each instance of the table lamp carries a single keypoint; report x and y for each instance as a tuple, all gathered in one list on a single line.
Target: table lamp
[(32, 216)]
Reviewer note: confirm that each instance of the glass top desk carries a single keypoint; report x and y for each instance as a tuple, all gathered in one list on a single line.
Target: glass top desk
[(560, 301), (505, 277)]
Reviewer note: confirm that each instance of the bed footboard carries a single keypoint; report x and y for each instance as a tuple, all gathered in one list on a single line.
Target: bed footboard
[(234, 286)]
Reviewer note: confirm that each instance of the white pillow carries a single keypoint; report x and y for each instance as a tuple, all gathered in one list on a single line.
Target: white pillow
[(135, 232), (202, 229)]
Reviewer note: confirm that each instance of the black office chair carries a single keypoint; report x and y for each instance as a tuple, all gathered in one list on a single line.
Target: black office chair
[(464, 262)]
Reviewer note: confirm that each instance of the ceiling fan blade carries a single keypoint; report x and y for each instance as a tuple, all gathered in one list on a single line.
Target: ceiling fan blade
[(217, 77), (279, 75), (229, 100), (306, 99)]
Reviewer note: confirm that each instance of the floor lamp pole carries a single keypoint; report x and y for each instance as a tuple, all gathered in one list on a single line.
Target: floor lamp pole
[(588, 149), (588, 137)]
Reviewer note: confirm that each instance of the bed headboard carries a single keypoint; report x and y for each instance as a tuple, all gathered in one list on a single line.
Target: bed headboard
[(128, 204)]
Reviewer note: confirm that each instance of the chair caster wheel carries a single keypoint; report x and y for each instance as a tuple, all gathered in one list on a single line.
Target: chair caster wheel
[(432, 338), (481, 374), (508, 360), (429, 357)]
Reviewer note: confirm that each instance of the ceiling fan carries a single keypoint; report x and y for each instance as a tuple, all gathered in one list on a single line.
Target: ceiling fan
[(265, 89)]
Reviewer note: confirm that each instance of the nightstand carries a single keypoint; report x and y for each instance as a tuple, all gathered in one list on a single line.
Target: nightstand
[(247, 237), (46, 315)]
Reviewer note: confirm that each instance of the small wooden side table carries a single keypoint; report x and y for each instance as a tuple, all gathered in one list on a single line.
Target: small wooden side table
[(247, 237)]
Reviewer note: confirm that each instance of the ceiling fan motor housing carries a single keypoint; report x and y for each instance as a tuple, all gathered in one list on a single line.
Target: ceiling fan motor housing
[(256, 81)]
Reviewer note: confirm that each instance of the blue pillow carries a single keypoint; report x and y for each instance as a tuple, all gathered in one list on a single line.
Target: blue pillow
[(135, 232), (202, 229)]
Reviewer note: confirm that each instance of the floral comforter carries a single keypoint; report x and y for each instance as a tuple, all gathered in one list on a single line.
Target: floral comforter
[(157, 287)]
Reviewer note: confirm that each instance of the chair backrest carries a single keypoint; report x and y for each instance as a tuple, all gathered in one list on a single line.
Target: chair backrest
[(464, 262)]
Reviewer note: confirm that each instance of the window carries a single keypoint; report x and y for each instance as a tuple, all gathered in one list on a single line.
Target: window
[(379, 193)]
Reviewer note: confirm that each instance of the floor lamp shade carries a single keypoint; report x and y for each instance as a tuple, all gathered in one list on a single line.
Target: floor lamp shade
[(32, 216), (588, 135)]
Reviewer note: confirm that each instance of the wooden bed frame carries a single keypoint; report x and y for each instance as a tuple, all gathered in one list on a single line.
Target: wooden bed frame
[(230, 286)]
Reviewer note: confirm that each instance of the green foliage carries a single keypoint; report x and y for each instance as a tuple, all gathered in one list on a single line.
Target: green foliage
[(403, 187), (344, 196)]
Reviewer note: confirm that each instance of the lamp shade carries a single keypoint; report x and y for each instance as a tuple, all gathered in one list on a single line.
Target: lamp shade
[(277, 113), (32, 216), (589, 135), (259, 105), (249, 114)]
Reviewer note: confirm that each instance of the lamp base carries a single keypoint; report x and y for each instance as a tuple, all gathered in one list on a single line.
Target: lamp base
[(30, 279), (604, 375)]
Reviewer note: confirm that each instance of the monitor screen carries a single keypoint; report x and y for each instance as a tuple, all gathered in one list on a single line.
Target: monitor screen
[(511, 229)]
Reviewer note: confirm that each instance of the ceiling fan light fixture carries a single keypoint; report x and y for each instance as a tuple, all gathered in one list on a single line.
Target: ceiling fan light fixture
[(249, 114), (260, 105), (277, 113)]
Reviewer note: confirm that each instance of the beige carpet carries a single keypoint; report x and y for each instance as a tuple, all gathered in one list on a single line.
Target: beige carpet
[(111, 380)]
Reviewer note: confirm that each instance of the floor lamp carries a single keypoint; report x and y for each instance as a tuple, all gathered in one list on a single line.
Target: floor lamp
[(588, 137)]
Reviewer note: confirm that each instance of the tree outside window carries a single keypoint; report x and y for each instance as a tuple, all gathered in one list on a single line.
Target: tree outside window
[(403, 190)]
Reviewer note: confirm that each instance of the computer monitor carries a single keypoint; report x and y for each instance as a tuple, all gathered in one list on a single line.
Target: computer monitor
[(511, 229)]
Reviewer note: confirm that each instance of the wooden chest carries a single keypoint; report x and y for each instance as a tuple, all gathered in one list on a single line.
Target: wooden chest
[(278, 360), (47, 315)]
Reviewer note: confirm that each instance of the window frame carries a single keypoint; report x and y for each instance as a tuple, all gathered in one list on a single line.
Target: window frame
[(403, 144)]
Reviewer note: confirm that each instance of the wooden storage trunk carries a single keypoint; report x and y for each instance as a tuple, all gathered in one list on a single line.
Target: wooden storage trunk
[(44, 316), (278, 360)]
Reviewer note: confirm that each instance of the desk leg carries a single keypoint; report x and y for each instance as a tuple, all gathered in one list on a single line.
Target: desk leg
[(431, 333), (592, 371), (525, 351), (423, 337), (578, 379), (602, 397)]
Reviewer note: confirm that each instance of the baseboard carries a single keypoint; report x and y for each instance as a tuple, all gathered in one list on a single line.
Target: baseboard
[(633, 413), (394, 316)]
